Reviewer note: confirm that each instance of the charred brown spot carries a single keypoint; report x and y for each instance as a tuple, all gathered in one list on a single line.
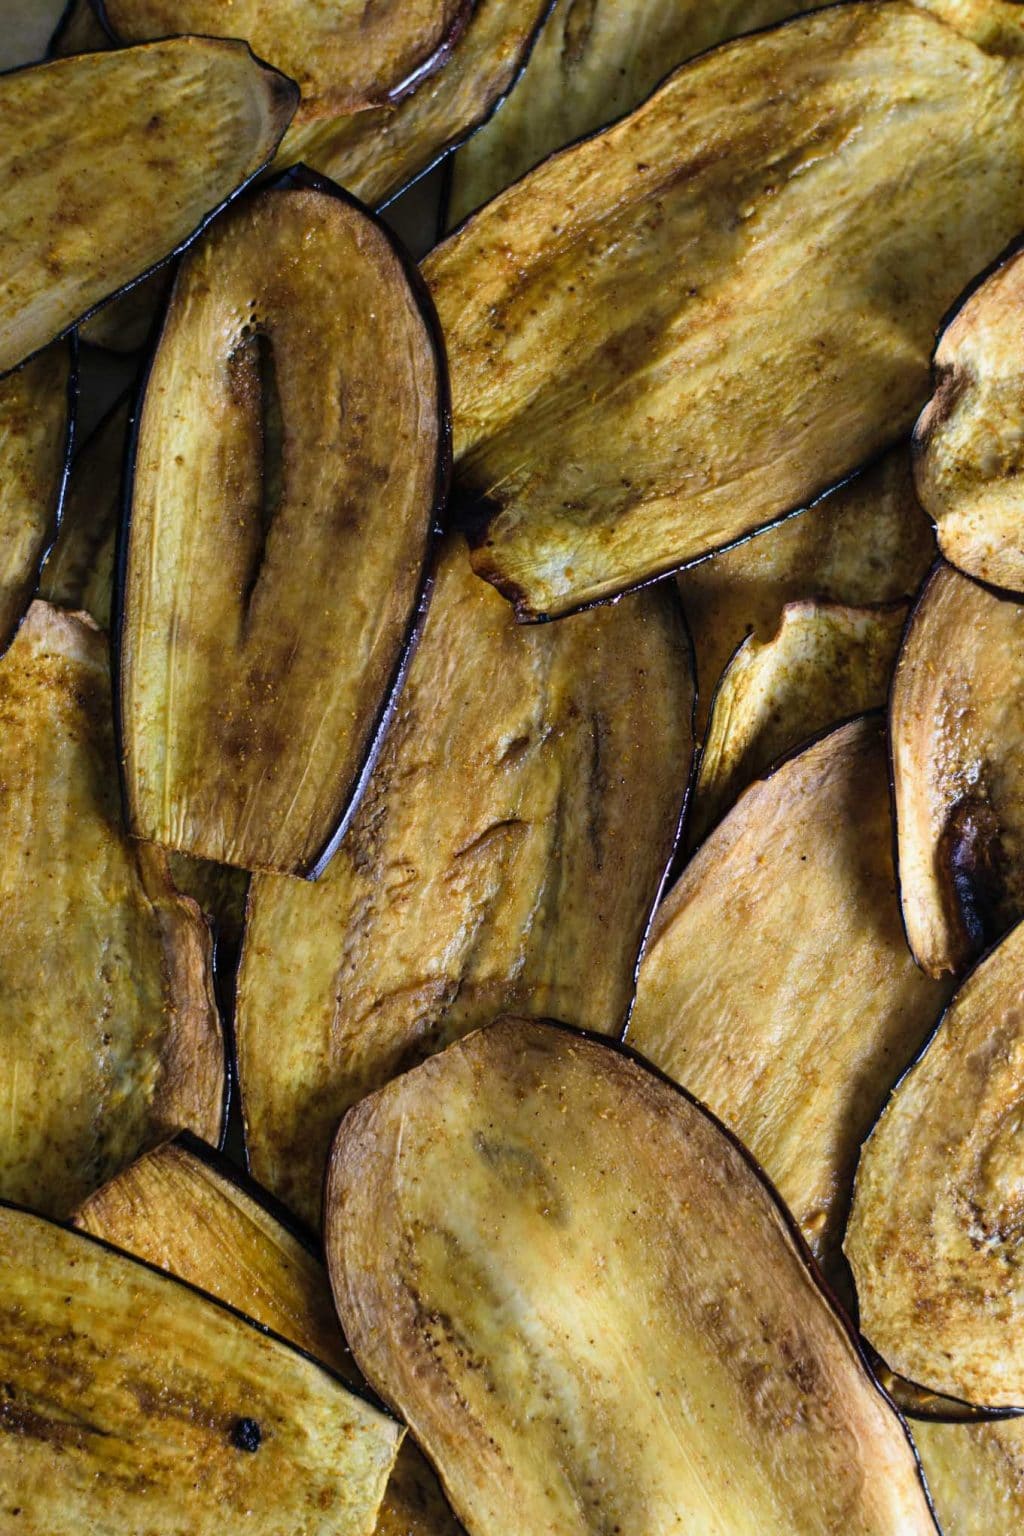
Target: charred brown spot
[(246, 1435), (972, 862)]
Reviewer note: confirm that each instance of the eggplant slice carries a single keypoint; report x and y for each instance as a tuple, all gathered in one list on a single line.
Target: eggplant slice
[(290, 462), (593, 1311), (111, 1036), (937, 1214), (183, 1208), (508, 853), (969, 441), (777, 985), (130, 1402), (976, 1476), (37, 409), (79, 570), (697, 321), (957, 731)]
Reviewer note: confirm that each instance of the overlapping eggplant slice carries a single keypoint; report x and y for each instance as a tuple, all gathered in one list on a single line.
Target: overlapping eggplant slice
[(508, 853), (110, 1031), (976, 1476), (288, 473), (185, 1209), (592, 1311), (698, 320), (777, 985), (130, 1402), (957, 728)]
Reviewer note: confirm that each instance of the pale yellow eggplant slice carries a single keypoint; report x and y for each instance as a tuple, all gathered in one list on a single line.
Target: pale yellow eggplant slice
[(109, 1027), (591, 1310), (508, 852), (79, 570), (976, 1476)]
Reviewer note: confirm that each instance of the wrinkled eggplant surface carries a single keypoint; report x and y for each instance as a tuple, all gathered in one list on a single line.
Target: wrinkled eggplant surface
[(79, 570), (976, 1476)]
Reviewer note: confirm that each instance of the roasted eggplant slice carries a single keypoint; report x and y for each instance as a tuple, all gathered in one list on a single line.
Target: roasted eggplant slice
[(110, 1032), (697, 321), (957, 729), (938, 1212), (508, 853), (184, 1209), (185, 124), (976, 1476), (287, 480), (79, 570), (969, 441), (37, 407), (777, 985), (592, 1311), (130, 1402)]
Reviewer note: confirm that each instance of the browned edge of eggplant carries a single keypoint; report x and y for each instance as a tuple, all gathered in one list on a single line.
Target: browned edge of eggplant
[(301, 178), (922, 1405)]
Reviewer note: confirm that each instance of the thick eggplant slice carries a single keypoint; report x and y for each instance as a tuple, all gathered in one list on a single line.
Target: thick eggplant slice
[(287, 478), (777, 985), (79, 570), (25, 30), (976, 1476), (130, 1402), (184, 1209), (936, 1220), (592, 1310), (508, 853), (110, 1032), (969, 441), (37, 407), (697, 321), (186, 124), (957, 729)]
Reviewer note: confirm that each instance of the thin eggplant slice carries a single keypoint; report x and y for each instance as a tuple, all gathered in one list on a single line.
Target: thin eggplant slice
[(777, 985), (969, 441), (110, 1030), (508, 852), (131, 1402), (936, 1222), (186, 124), (976, 1476), (37, 406), (593, 1311), (183, 1208), (79, 570), (287, 479), (25, 30), (697, 321), (957, 728)]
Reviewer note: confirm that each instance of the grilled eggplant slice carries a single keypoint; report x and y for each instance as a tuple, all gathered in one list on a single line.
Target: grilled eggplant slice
[(79, 570), (131, 1402), (976, 1476), (184, 1209), (592, 1310), (287, 479), (508, 853), (969, 440), (190, 121), (37, 407), (110, 1031), (957, 724), (777, 985), (697, 321), (937, 1213)]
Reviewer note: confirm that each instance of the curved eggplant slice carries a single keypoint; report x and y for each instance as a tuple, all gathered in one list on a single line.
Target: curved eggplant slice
[(937, 1213), (593, 1311), (131, 1402), (777, 985), (976, 1476), (287, 480), (189, 122), (969, 441), (79, 570), (37, 411), (957, 727), (691, 324), (508, 853), (110, 1030)]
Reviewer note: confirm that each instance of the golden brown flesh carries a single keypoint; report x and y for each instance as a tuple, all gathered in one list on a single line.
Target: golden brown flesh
[(508, 852), (957, 728), (938, 1208), (79, 570), (110, 1032), (687, 326), (177, 1208), (591, 1310), (976, 1476), (131, 1403), (777, 985), (289, 464), (91, 200)]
